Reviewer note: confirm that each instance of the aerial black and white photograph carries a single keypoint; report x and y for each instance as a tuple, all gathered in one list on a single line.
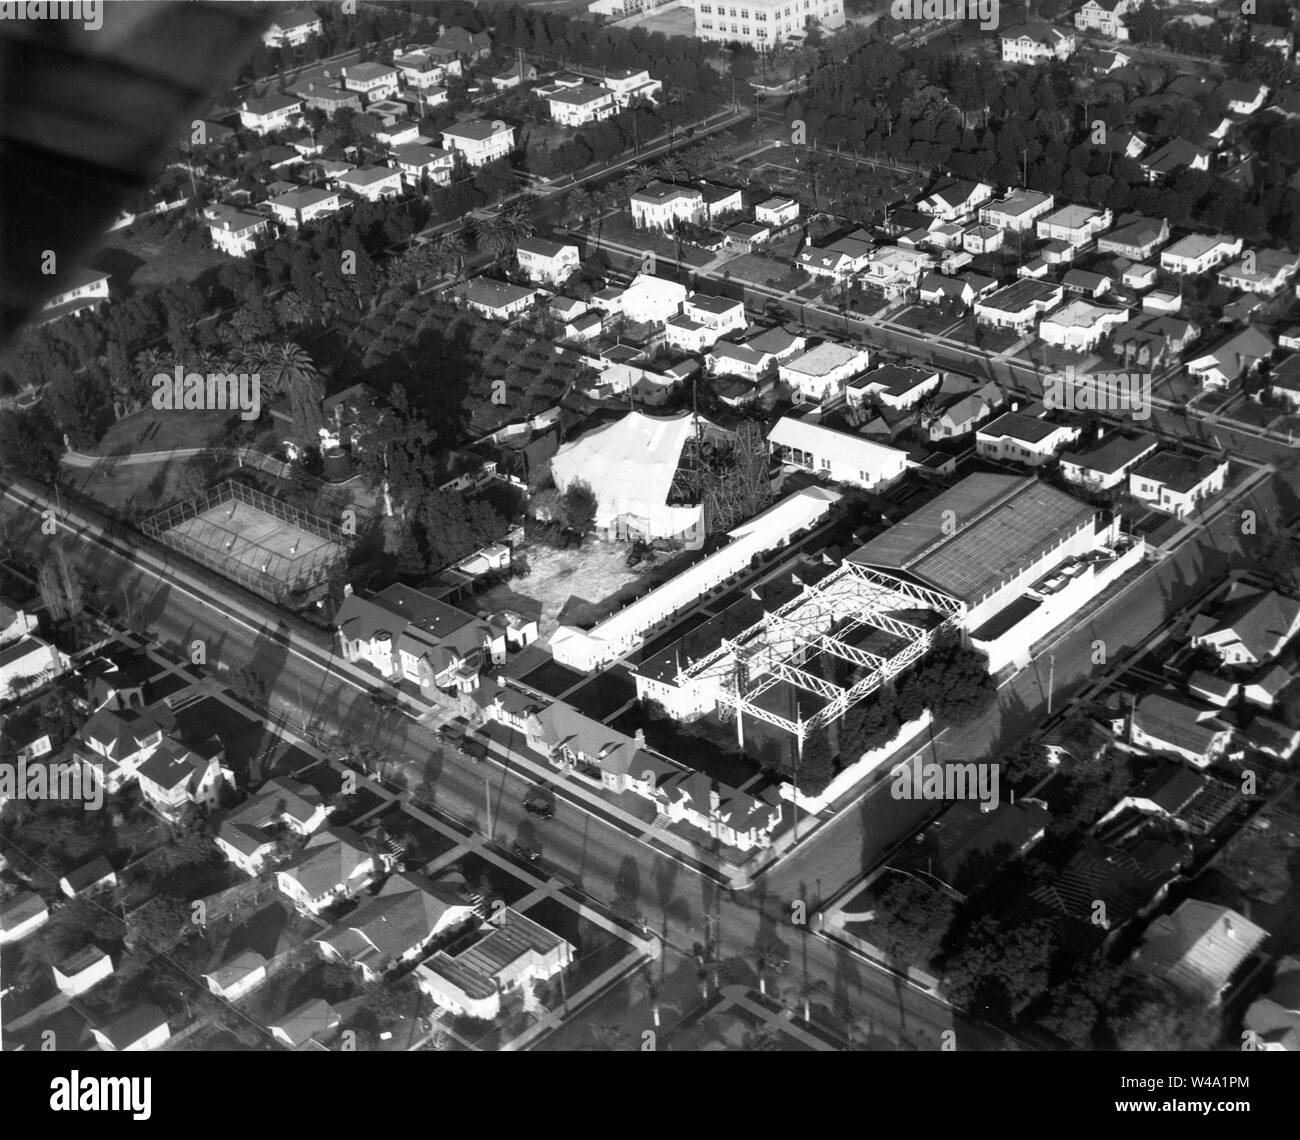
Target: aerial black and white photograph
[(656, 526)]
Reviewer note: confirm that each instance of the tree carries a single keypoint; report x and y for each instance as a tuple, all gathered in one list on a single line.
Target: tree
[(159, 924), (912, 920), (290, 374), (1000, 963), (29, 444), (1026, 761), (770, 959), (81, 404), (578, 505)]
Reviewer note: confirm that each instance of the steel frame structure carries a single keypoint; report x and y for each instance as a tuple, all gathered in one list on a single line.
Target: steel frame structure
[(773, 649)]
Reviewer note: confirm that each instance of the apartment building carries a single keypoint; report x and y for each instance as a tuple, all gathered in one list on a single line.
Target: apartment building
[(763, 24)]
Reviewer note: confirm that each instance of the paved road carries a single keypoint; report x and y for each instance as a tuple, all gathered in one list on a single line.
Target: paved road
[(579, 847)]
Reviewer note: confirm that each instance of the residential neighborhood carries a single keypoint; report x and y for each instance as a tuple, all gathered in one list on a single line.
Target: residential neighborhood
[(640, 526)]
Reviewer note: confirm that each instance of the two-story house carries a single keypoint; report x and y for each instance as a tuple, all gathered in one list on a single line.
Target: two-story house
[(372, 183), (297, 208), (176, 776), (417, 163), (821, 372), (479, 141), (371, 80), (1074, 225), (546, 262), (247, 836), (1106, 17), (1036, 43), (335, 864), (236, 232), (659, 205)]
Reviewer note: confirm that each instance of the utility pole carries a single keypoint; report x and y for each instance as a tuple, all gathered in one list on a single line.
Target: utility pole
[(487, 799), (1051, 680)]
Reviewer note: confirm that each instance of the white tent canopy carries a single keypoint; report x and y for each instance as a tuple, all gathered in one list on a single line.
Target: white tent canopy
[(629, 465)]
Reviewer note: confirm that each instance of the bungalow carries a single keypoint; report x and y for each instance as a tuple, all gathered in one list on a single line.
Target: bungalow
[(837, 261), (755, 356), (1022, 437), (546, 262), (371, 80), (1106, 465), (955, 200), (1198, 950), (1161, 301), (1074, 225), (1105, 17), (247, 836), (777, 212), (1274, 1018), (513, 953), (328, 98), (1244, 97), (298, 207), (77, 291), (1250, 627), (28, 663), (1018, 211), (82, 971), (236, 232), (420, 162), (660, 205), (90, 878), (1271, 737), (821, 372), (1273, 37), (314, 1020), (1199, 253), (372, 183), (1135, 237), (577, 106), (1267, 683), (744, 237), (516, 75), (982, 239), (1036, 43), (735, 818), (938, 288), (292, 28), (1136, 276), (1239, 355), (497, 300), (1266, 271), (396, 926), (274, 112), (896, 386), (1082, 282), (1018, 306), (335, 864), (1166, 722), (479, 141), (1176, 483), (237, 977), (21, 915), (964, 412), (139, 1029), (836, 455), (175, 776), (1284, 381), (466, 44), (1176, 155), (1080, 325)]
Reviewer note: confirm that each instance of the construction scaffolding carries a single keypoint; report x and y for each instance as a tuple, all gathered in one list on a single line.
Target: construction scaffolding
[(822, 619), (731, 481)]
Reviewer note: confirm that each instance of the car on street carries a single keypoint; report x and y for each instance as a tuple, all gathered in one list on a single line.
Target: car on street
[(524, 851), (539, 807)]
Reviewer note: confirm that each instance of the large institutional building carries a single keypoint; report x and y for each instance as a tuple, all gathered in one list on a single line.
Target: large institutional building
[(762, 24)]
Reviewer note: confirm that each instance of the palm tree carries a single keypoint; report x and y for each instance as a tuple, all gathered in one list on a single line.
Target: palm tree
[(608, 1038), (290, 373), (450, 250), (769, 958), (579, 205), (670, 168), (802, 993)]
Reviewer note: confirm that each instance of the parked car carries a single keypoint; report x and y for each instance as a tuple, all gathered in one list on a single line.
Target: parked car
[(541, 808), (532, 854), (383, 700)]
